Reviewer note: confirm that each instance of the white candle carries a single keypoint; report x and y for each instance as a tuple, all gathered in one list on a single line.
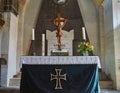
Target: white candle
[(43, 44), (83, 33), (33, 34)]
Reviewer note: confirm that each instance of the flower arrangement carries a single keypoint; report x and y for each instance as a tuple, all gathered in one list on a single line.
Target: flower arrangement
[(84, 47)]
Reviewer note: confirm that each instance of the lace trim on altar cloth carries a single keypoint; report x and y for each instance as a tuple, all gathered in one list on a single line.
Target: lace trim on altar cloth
[(60, 60)]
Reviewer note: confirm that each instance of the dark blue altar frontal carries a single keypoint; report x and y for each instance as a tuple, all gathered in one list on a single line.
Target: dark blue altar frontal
[(73, 78)]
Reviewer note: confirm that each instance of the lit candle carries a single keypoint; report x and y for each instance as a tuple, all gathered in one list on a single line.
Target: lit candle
[(43, 44), (83, 33), (33, 34)]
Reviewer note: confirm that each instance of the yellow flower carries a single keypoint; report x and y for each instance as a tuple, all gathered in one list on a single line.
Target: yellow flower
[(85, 46)]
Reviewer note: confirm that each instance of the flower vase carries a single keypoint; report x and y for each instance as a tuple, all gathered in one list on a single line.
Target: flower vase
[(85, 53)]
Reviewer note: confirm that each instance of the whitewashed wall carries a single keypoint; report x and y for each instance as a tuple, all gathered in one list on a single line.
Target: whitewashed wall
[(0, 41), (12, 52), (89, 13), (90, 17), (30, 16), (20, 39), (116, 27), (112, 40), (9, 47), (4, 47), (109, 38), (102, 37), (3, 67)]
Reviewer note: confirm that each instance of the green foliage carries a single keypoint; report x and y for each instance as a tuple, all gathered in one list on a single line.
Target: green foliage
[(85, 46)]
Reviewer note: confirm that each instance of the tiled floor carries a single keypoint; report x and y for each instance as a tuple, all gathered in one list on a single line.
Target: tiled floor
[(109, 91)]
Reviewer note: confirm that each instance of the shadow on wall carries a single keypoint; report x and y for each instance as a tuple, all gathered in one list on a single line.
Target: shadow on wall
[(3, 61)]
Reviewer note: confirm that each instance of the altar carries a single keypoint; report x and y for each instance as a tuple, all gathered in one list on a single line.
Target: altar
[(60, 74)]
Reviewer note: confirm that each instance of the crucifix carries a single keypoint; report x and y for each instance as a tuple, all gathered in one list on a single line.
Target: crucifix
[(58, 78), (59, 22)]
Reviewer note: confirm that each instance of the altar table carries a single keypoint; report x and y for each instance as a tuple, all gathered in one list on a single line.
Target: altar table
[(71, 74)]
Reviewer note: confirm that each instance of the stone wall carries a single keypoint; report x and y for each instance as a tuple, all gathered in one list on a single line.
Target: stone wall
[(0, 41), (89, 14), (109, 39), (12, 48), (90, 17), (9, 47), (4, 75), (30, 18), (116, 28), (20, 39), (4, 47), (112, 40)]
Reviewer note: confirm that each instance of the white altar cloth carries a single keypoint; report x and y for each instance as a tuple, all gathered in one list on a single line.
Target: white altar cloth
[(60, 60)]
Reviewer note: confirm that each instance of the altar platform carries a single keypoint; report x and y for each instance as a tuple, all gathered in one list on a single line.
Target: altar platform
[(60, 74)]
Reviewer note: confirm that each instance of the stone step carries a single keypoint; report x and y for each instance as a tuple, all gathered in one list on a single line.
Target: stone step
[(9, 90), (15, 82), (104, 81), (103, 76), (106, 84)]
